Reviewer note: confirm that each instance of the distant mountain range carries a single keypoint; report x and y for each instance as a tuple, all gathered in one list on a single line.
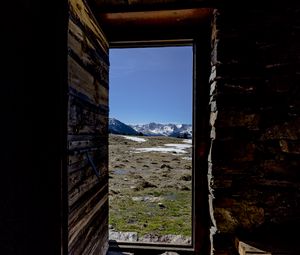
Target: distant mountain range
[(151, 129)]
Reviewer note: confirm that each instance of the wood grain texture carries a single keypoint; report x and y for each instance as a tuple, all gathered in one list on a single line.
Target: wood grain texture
[(85, 51), (85, 118), (81, 12), (87, 84), (88, 68)]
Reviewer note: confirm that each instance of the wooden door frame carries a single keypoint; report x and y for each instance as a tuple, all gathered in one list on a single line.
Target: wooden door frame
[(201, 143)]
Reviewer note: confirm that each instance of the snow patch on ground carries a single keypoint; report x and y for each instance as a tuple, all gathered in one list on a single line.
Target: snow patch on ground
[(187, 141), (160, 149), (178, 145), (169, 148), (134, 138)]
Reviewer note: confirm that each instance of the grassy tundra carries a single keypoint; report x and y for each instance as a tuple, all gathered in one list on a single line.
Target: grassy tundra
[(150, 185)]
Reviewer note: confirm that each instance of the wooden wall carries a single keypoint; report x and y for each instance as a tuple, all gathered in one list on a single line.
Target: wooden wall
[(87, 133)]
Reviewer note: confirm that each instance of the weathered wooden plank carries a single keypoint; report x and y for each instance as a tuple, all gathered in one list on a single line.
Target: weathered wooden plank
[(86, 143), (81, 209), (82, 81), (84, 221), (85, 83), (244, 249), (76, 178), (86, 137), (83, 166), (76, 193), (79, 181), (75, 39), (78, 167), (79, 151), (81, 12), (84, 118), (87, 55), (94, 238), (75, 159), (99, 240), (102, 182), (87, 133), (79, 189), (79, 162), (103, 94), (83, 101), (98, 68), (99, 147), (94, 245)]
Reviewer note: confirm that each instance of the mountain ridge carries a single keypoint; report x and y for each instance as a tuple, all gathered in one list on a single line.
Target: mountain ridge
[(117, 127), (151, 129)]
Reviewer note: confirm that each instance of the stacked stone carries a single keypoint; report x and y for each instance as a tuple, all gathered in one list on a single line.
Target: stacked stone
[(255, 120)]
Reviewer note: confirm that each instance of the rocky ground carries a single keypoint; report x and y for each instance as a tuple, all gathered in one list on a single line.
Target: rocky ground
[(150, 189)]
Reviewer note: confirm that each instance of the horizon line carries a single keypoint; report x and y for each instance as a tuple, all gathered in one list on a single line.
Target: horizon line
[(148, 122)]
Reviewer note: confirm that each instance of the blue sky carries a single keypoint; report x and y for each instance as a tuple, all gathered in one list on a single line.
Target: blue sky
[(151, 85)]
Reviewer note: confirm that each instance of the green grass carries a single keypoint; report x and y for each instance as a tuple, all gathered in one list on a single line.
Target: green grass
[(146, 217)]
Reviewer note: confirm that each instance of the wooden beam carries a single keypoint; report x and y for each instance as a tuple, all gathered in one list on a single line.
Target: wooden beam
[(150, 5), (156, 18), (154, 25), (244, 249)]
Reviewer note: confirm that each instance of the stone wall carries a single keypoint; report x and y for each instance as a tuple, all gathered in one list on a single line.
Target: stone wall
[(255, 119)]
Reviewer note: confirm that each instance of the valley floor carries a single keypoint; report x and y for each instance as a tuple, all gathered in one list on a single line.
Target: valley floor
[(150, 193)]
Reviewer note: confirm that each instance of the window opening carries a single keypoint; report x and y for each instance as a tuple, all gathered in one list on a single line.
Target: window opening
[(150, 145)]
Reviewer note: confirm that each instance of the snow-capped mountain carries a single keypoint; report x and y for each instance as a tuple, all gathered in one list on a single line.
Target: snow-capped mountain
[(152, 129), (117, 127), (157, 129)]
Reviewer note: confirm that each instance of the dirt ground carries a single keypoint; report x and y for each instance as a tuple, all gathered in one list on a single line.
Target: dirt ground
[(150, 191)]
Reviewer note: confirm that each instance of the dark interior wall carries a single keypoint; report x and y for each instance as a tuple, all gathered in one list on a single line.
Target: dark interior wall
[(87, 133), (255, 118), (33, 79)]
